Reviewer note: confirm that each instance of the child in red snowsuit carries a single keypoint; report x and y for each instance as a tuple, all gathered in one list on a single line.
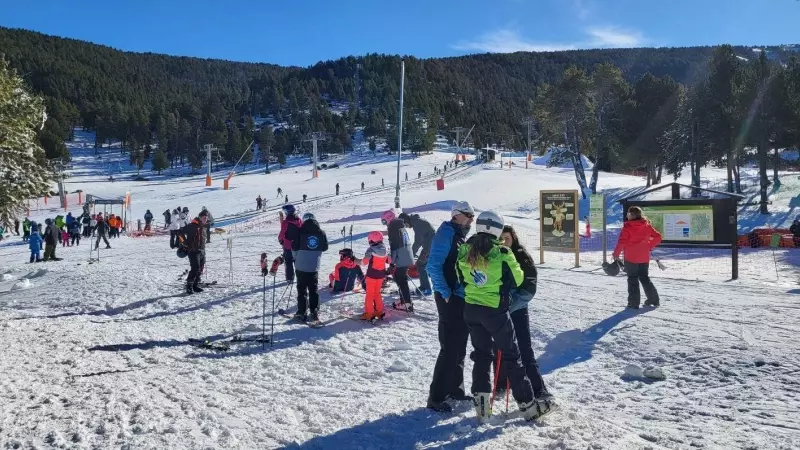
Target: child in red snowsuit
[(376, 259)]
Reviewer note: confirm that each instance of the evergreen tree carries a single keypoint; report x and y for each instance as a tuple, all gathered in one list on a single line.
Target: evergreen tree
[(609, 90), (160, 161), (22, 172)]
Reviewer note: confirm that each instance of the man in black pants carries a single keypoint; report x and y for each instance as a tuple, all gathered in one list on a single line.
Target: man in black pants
[(308, 244), (448, 374), (192, 238)]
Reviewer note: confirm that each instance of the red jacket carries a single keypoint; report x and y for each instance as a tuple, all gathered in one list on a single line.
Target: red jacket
[(638, 238), (285, 223)]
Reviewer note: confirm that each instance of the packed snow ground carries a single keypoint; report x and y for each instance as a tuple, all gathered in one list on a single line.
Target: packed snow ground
[(97, 356)]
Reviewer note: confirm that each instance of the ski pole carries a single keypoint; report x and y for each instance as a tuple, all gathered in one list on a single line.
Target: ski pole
[(272, 326), (264, 314), (508, 392)]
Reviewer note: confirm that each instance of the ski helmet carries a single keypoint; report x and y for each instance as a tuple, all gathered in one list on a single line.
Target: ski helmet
[(308, 216), (387, 217), (375, 237), (613, 268), (186, 210), (289, 209), (346, 253), (490, 222)]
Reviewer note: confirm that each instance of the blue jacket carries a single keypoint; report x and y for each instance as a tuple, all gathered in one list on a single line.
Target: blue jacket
[(442, 260), (35, 242), (70, 220)]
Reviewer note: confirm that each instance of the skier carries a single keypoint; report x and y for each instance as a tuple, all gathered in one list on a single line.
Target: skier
[(376, 259), (35, 243), (102, 232), (362, 185), (192, 239), (280, 192), (208, 224), (382, 184), (419, 175), (346, 273), (406, 176), (423, 237), (304, 198), (148, 218), (402, 258), (448, 374), (259, 201), (75, 233), (86, 221), (308, 244), (286, 200), (337, 188), (64, 237), (51, 238), (167, 218), (26, 229), (488, 271), (290, 222), (637, 239), (174, 227), (16, 226), (795, 230), (518, 309), (93, 224)]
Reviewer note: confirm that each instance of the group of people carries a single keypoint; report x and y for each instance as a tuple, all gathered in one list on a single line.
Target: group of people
[(179, 218)]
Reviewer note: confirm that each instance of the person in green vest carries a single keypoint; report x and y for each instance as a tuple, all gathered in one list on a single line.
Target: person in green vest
[(489, 271), (26, 229)]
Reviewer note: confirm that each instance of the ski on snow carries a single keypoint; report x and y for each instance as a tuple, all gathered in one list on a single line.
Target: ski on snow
[(311, 323)]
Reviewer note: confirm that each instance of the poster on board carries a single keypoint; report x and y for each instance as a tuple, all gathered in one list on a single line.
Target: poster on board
[(558, 219)]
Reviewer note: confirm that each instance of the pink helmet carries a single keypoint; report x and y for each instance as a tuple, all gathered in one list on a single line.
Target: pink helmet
[(375, 236), (387, 217)]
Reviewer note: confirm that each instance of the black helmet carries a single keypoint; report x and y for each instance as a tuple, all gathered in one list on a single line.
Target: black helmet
[(613, 267), (346, 253)]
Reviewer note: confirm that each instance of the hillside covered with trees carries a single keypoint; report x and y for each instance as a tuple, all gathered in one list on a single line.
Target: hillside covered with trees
[(624, 108)]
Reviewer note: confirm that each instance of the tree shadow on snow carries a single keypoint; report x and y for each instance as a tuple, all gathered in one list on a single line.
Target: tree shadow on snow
[(410, 430), (148, 345), (575, 346)]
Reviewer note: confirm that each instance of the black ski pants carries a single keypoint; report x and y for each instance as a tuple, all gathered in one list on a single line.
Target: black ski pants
[(490, 327), (288, 261), (49, 252), (401, 280), (639, 273), (208, 234), (448, 373), (173, 235), (76, 239), (103, 237), (522, 330), (307, 283), (197, 260)]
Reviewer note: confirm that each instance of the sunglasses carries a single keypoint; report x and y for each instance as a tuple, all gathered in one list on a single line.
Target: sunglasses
[(467, 215)]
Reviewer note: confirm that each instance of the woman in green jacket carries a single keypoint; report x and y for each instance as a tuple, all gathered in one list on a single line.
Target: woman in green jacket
[(489, 271)]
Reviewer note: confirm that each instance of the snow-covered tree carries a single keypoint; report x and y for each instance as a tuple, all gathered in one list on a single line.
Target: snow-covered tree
[(22, 172)]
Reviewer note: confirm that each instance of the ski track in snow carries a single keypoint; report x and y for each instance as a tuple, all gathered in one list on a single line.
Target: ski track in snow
[(97, 356)]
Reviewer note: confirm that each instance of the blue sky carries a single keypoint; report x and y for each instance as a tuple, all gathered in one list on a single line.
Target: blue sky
[(302, 32)]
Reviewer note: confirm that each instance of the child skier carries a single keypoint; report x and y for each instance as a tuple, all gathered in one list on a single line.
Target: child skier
[(376, 259), (489, 271), (35, 243), (64, 236), (289, 224), (346, 273), (75, 233)]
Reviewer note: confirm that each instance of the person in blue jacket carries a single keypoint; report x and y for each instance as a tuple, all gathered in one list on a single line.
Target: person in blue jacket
[(448, 374), (35, 243), (518, 309)]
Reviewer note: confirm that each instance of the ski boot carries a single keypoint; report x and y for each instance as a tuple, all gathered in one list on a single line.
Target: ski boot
[(196, 288), (652, 303), (189, 290), (299, 317), (483, 409), (439, 406), (400, 306), (313, 317), (534, 409)]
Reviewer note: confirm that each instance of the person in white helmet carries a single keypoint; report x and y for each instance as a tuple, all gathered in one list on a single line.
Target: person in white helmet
[(448, 374), (489, 271)]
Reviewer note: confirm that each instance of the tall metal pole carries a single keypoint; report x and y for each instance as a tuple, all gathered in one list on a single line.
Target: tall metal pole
[(314, 171), (208, 164), (400, 134)]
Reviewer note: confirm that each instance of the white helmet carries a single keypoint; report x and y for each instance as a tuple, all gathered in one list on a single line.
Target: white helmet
[(490, 222)]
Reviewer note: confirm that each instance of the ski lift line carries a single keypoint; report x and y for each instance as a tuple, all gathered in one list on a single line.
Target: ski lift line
[(233, 170)]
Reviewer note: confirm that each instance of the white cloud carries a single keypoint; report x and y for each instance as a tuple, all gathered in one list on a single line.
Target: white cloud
[(614, 37), (506, 40), (582, 8), (509, 40)]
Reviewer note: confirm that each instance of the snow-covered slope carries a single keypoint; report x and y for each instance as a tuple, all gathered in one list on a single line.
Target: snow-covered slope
[(98, 356)]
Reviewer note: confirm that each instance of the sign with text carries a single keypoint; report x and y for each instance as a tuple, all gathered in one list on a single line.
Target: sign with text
[(558, 222)]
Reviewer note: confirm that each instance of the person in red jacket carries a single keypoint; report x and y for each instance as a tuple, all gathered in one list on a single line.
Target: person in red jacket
[(291, 224), (638, 238)]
